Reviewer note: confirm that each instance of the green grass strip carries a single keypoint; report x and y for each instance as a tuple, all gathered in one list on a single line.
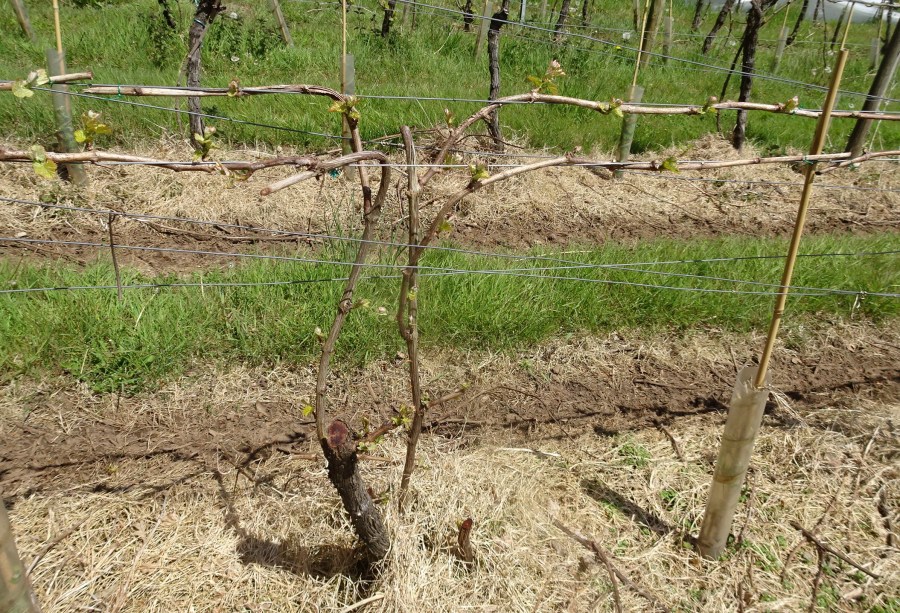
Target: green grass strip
[(156, 333)]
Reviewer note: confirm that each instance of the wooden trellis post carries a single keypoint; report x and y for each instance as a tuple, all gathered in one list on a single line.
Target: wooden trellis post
[(282, 24), (750, 393), (22, 17)]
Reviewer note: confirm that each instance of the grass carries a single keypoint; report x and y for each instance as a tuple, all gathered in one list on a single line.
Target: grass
[(157, 334), (134, 46)]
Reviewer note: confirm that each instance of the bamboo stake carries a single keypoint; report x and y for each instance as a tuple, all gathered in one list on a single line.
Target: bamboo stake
[(748, 401), (816, 149), (782, 43), (345, 128), (56, 26), (15, 589), (637, 61)]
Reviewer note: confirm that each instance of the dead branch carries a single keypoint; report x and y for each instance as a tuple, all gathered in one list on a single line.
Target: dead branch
[(675, 447), (531, 97), (202, 92), (809, 536), (605, 557), (6, 86), (463, 549)]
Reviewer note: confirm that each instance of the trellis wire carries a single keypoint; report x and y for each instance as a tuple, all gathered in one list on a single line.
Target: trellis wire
[(396, 244), (654, 54), (525, 272)]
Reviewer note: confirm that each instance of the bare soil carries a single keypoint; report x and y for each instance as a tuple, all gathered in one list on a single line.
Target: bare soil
[(635, 390)]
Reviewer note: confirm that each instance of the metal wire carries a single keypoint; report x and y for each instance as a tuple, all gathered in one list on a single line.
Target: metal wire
[(526, 272), (651, 54), (395, 244), (672, 177)]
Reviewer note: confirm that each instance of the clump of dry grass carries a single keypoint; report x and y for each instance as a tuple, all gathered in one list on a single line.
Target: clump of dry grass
[(189, 531), (558, 205)]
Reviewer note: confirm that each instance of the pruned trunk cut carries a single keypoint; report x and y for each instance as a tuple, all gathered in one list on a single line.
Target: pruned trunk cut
[(343, 472)]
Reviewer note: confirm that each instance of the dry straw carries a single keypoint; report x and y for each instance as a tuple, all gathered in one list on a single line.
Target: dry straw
[(171, 532)]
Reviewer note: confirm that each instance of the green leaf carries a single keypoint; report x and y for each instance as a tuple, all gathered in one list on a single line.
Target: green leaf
[(708, 106), (536, 82), (38, 77), (445, 226), (791, 105), (346, 107), (35, 78), (670, 164), (80, 136), (618, 112), (20, 90), (479, 171), (45, 169), (38, 154), (308, 410)]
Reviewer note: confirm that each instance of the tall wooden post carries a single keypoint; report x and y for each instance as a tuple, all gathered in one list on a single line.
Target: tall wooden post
[(483, 26), (15, 589), (345, 128), (880, 86), (282, 24), (22, 17), (750, 393)]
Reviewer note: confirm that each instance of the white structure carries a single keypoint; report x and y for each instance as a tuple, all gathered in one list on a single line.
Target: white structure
[(864, 11)]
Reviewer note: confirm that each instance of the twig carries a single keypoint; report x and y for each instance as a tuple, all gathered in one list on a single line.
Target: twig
[(115, 261), (817, 580), (794, 549), (671, 438), (49, 546), (605, 558), (407, 314), (164, 229), (543, 454), (362, 603), (63, 78), (815, 541)]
